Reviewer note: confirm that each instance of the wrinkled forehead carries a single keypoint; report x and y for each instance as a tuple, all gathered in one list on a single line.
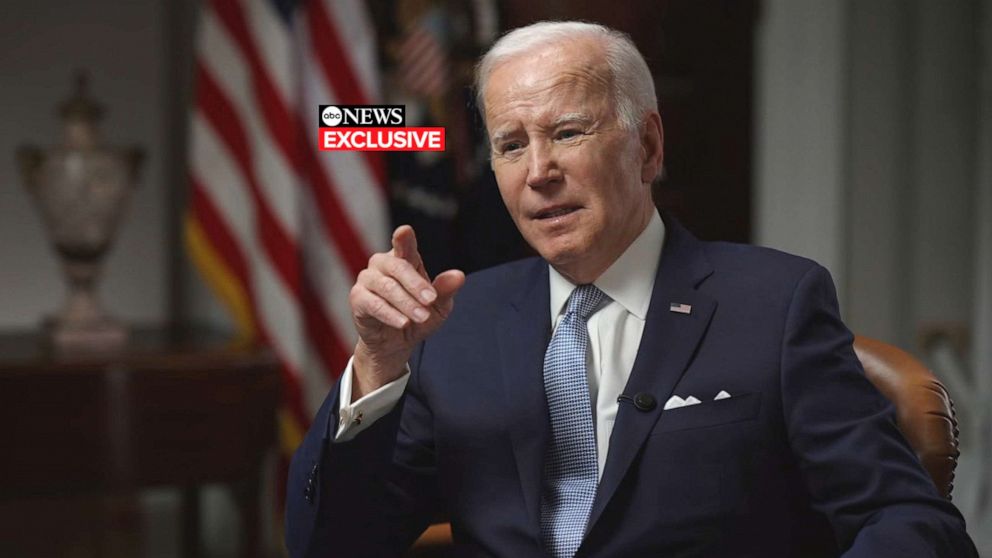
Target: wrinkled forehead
[(572, 76)]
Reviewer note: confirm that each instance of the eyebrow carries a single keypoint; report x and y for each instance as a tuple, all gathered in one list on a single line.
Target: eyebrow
[(499, 136), (567, 118), (572, 117)]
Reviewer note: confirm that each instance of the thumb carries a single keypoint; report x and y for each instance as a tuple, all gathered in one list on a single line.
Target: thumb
[(447, 284)]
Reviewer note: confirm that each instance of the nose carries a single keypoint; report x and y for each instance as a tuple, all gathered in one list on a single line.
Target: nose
[(542, 166)]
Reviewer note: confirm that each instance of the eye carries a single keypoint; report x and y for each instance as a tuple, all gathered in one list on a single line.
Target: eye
[(568, 133), (510, 147)]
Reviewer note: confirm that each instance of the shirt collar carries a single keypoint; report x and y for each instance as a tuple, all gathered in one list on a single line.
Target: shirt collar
[(629, 280)]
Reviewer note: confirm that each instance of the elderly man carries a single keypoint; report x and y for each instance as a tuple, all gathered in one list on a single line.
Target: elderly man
[(632, 392)]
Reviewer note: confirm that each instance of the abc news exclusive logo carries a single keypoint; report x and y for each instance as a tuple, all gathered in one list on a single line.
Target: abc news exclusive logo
[(374, 128)]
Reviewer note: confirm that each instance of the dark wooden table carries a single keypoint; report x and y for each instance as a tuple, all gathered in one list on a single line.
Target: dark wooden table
[(176, 407)]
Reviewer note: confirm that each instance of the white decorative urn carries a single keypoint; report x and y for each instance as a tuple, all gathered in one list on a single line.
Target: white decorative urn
[(81, 188)]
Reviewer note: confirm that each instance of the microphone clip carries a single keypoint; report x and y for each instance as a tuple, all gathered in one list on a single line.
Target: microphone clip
[(643, 402)]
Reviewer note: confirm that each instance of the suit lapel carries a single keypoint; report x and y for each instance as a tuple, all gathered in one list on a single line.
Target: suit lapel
[(523, 333), (666, 348)]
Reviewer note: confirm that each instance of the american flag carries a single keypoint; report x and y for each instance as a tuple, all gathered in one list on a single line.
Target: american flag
[(423, 61), (279, 230)]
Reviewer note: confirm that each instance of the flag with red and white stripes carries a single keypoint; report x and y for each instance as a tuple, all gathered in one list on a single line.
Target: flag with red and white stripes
[(278, 229), (423, 59)]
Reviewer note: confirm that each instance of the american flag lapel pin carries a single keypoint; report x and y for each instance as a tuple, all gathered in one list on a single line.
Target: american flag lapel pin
[(680, 308)]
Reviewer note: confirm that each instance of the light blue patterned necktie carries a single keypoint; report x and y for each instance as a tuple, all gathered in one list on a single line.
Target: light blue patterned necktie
[(570, 469)]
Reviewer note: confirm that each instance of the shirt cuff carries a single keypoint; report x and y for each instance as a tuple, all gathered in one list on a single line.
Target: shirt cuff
[(356, 417)]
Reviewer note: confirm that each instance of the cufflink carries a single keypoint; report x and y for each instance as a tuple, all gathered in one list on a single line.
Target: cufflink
[(346, 417)]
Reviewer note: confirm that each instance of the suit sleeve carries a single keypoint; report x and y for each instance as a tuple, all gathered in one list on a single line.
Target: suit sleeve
[(859, 470), (369, 496)]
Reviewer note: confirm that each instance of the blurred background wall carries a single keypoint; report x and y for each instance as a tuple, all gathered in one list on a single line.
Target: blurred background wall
[(867, 146)]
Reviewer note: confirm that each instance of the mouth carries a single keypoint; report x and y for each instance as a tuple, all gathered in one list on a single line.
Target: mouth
[(555, 211)]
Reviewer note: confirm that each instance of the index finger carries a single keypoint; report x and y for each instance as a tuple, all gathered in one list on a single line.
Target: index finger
[(405, 246)]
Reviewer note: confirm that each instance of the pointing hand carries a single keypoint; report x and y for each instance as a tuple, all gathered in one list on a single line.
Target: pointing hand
[(395, 306)]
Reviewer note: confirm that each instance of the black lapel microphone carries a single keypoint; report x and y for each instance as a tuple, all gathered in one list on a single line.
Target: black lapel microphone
[(643, 402)]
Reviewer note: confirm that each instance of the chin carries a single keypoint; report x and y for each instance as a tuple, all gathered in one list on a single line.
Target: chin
[(559, 255), (561, 248)]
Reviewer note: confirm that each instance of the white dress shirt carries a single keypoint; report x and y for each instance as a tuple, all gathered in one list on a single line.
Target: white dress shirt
[(615, 329)]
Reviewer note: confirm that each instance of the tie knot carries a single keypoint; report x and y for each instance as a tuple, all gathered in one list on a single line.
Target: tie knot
[(584, 299)]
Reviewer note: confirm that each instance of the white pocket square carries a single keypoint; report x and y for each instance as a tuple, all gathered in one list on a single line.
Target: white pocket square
[(674, 402)]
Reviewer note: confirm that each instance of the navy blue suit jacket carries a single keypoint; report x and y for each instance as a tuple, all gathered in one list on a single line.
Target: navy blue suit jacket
[(803, 460)]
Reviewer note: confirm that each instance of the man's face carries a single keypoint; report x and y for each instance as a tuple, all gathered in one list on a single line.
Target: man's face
[(571, 177)]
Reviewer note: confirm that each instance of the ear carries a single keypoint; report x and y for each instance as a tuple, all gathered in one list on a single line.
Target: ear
[(652, 147)]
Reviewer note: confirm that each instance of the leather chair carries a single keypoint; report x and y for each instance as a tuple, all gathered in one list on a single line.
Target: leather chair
[(924, 410), (924, 414), (434, 542)]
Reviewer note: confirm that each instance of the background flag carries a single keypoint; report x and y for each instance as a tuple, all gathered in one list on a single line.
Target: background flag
[(279, 230)]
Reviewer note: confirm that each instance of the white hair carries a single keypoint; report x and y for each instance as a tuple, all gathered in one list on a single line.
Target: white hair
[(633, 86)]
